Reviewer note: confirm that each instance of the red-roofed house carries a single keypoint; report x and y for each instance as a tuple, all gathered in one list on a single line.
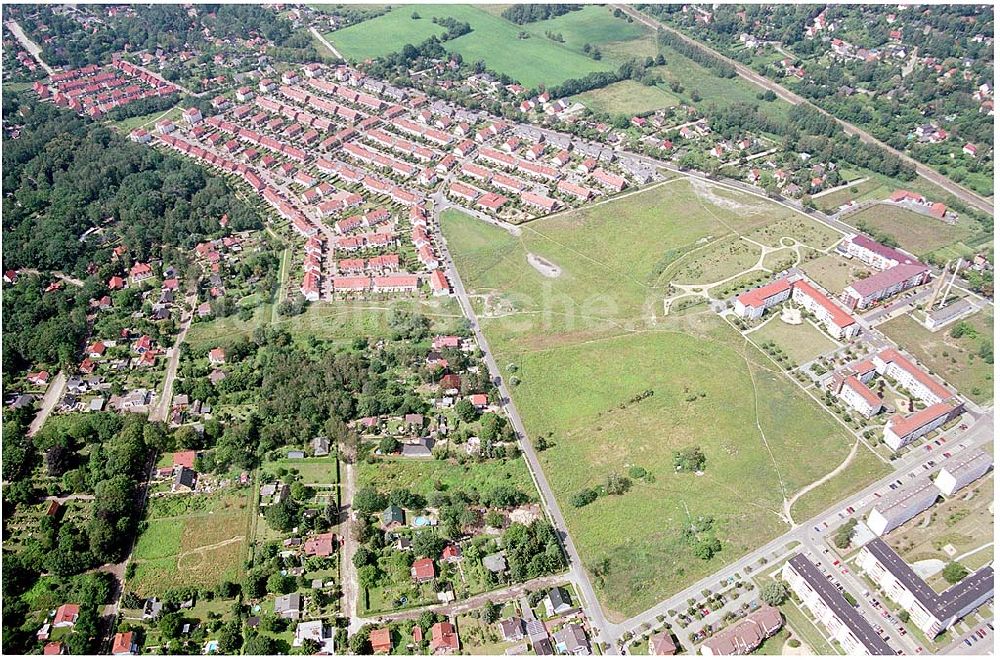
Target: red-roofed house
[(444, 638), (381, 641), (125, 644), (320, 545), (970, 149), (39, 378), (439, 283), (185, 459), (217, 356), (479, 400), (96, 349), (451, 553), (140, 272), (53, 648), (66, 616), (423, 570)]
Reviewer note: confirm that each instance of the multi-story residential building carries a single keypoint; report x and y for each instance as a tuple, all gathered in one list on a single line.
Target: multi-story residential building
[(865, 292), (904, 429), (753, 303), (838, 323), (962, 469), (918, 382), (844, 623), (900, 506), (873, 253), (930, 611), (857, 395)]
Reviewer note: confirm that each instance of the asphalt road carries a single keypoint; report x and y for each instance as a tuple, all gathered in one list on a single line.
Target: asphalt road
[(745, 72), (591, 605), (52, 396)]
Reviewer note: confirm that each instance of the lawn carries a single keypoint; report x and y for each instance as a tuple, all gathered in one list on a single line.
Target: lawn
[(866, 468), (615, 385), (321, 470), (915, 232), (493, 39), (425, 476), (833, 272), (191, 540), (711, 88), (857, 192), (627, 97), (957, 361), (802, 343), (127, 125), (342, 321), (966, 524)]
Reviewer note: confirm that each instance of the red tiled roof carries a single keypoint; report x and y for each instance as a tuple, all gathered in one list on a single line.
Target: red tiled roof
[(903, 426), (892, 355), (838, 316), (756, 297)]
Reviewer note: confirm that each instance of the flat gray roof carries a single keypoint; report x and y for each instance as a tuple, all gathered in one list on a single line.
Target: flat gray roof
[(960, 306), (903, 497), (943, 605), (971, 461), (836, 602)]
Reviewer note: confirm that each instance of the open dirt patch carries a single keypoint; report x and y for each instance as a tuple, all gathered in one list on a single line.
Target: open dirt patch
[(544, 266)]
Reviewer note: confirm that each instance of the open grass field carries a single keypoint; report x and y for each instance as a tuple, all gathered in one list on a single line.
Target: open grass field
[(955, 360), (857, 192), (494, 40), (801, 343), (712, 88), (963, 521), (421, 476), (588, 343), (192, 540), (920, 234), (321, 470), (127, 125), (833, 272), (864, 469), (627, 97)]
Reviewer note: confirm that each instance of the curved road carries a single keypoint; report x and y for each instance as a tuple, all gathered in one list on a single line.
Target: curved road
[(745, 72)]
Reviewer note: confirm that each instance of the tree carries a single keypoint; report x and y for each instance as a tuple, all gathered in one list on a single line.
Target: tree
[(280, 584), (617, 484), (282, 516), (774, 593), (368, 501), (954, 572), (230, 638), (465, 411), (427, 543), (258, 644), (584, 497), (707, 548), (842, 538), (690, 459), (171, 624), (491, 612), (388, 445)]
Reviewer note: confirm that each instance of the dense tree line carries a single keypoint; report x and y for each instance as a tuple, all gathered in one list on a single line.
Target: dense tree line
[(699, 54), (65, 175), (529, 13), (155, 26)]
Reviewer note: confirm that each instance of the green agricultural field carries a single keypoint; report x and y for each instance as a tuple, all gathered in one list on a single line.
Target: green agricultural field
[(617, 386), (192, 540), (801, 343), (915, 232), (627, 97), (956, 360), (421, 476), (494, 40)]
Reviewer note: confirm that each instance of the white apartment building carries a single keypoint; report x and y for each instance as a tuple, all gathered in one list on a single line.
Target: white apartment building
[(918, 382), (844, 623), (962, 469), (895, 509), (930, 611), (901, 430), (753, 303)]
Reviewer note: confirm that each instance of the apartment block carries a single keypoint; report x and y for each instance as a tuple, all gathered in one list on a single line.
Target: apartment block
[(929, 610), (902, 505), (844, 623)]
